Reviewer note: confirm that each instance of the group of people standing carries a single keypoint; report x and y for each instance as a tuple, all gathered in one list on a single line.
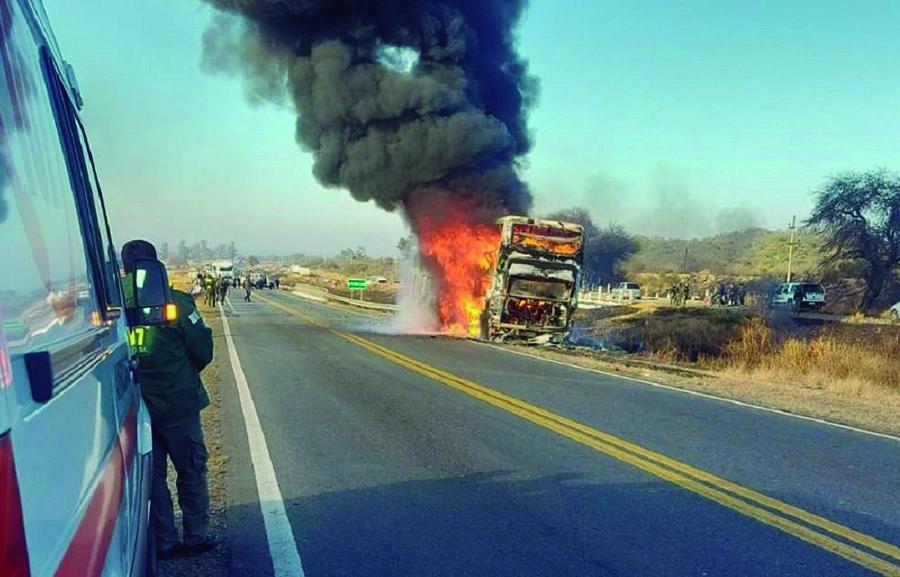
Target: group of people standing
[(679, 293), (215, 289), (726, 294), (722, 294)]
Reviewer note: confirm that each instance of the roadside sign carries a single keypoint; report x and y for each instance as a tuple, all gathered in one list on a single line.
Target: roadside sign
[(356, 284)]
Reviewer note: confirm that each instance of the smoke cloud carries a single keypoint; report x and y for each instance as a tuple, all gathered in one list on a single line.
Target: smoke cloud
[(394, 98), (666, 208)]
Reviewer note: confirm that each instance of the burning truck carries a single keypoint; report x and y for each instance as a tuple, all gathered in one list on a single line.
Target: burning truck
[(534, 279)]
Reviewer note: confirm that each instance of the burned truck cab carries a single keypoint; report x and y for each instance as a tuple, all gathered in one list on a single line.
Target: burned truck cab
[(534, 280)]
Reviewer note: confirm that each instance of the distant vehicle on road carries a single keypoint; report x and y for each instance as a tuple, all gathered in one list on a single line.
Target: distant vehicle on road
[(895, 312), (799, 296), (223, 270), (627, 291), (261, 280), (534, 279), (75, 442)]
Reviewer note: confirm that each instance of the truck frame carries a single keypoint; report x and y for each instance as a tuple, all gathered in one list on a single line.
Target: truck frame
[(534, 279)]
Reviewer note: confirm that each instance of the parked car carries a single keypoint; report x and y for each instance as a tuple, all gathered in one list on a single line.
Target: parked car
[(799, 296), (75, 441), (627, 291), (895, 312)]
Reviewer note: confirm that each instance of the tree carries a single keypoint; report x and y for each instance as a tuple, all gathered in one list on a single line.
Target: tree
[(252, 261), (232, 251), (604, 249), (164, 251), (184, 252), (859, 214)]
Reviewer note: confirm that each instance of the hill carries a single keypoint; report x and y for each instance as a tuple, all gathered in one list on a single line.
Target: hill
[(751, 252)]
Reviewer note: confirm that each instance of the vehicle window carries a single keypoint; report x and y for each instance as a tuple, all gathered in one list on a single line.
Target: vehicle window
[(99, 248), (48, 294), (111, 274), (528, 288)]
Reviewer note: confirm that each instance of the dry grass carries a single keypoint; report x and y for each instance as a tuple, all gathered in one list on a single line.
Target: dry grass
[(828, 361), (843, 372)]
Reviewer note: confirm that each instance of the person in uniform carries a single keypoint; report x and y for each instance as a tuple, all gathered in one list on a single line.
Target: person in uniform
[(210, 289), (170, 359), (223, 290)]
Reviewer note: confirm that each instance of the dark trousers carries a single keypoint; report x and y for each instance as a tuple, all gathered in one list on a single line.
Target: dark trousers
[(182, 442)]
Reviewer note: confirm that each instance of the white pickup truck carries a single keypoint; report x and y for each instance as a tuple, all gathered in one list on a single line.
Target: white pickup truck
[(626, 291)]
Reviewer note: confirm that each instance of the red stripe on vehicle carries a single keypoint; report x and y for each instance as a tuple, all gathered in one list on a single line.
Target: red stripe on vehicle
[(87, 551)]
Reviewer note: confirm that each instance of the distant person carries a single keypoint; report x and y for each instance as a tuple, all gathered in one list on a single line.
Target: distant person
[(223, 290), (209, 289), (197, 286), (277, 283), (169, 366), (247, 289)]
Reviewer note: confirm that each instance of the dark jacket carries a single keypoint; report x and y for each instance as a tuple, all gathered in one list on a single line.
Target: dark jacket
[(170, 359)]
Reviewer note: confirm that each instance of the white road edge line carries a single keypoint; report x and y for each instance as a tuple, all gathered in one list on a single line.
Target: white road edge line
[(695, 393), (279, 534)]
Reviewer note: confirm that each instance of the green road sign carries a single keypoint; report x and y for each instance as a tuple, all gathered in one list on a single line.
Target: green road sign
[(356, 284)]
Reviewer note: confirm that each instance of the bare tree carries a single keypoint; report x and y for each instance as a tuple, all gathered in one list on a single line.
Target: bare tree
[(859, 213)]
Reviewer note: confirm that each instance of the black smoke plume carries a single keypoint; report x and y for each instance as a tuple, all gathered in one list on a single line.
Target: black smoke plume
[(395, 98)]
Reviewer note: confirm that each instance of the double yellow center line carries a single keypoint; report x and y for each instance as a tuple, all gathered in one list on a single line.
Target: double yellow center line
[(865, 550)]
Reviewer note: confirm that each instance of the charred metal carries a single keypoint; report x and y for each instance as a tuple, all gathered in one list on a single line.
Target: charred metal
[(534, 280)]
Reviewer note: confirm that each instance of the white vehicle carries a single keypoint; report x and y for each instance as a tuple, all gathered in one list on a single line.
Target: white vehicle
[(223, 269), (74, 433), (627, 291), (799, 296)]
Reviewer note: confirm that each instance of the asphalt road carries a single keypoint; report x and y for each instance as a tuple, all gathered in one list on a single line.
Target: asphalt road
[(405, 455)]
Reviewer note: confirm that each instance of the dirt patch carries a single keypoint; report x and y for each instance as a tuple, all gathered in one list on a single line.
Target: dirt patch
[(214, 563)]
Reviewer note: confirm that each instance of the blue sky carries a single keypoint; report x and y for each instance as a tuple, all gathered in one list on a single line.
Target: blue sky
[(671, 118)]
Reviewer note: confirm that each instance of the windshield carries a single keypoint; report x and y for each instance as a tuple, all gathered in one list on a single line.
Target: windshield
[(540, 289)]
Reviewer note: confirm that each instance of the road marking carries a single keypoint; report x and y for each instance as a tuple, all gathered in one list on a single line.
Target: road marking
[(788, 518), (231, 306), (279, 534), (690, 392), (732, 495)]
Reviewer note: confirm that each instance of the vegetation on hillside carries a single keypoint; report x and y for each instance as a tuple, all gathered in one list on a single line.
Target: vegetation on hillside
[(751, 252)]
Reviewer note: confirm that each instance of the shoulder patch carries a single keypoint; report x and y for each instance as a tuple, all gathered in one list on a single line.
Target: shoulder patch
[(194, 316)]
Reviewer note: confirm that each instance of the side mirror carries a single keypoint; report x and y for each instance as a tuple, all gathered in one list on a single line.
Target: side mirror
[(151, 302)]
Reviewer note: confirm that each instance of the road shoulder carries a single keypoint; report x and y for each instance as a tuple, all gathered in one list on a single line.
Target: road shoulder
[(847, 410)]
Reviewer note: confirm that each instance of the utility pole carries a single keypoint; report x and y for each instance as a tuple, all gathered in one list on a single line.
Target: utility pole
[(793, 228), (684, 260)]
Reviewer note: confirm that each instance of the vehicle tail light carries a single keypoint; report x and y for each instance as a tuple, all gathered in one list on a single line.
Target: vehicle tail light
[(13, 550)]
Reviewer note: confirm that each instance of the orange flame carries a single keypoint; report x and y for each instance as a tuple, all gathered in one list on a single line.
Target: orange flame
[(460, 255)]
